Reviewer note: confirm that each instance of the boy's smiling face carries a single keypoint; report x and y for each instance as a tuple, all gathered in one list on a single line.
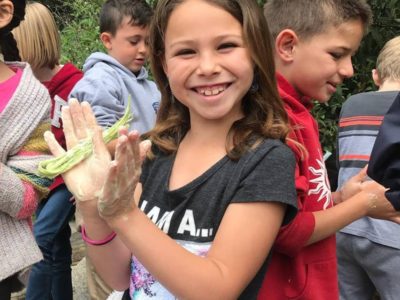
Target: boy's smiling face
[(319, 64), (129, 45)]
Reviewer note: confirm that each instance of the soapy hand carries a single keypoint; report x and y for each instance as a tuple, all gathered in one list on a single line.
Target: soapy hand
[(378, 205), (86, 180), (117, 197)]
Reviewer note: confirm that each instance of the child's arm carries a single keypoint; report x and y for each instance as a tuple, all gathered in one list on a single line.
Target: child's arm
[(112, 260), (371, 201), (20, 186), (310, 227), (233, 260), (238, 251), (86, 185)]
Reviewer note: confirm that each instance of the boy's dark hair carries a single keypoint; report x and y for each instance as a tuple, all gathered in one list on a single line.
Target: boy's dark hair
[(8, 45), (113, 12), (310, 17)]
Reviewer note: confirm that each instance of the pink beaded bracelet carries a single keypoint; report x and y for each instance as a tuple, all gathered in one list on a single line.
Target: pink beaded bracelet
[(104, 241)]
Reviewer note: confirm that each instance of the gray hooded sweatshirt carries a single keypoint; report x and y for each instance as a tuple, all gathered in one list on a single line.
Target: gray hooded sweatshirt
[(108, 86)]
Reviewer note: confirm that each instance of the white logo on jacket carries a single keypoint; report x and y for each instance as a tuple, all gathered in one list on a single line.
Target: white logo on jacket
[(58, 104), (321, 184)]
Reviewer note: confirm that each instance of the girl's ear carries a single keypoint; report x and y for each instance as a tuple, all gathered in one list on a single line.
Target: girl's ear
[(6, 12), (105, 38), (285, 44)]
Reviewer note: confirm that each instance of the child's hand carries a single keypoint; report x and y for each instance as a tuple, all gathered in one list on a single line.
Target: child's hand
[(85, 180), (352, 186), (378, 206), (117, 196)]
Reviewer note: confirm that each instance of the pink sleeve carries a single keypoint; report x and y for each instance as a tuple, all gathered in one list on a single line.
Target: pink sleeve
[(30, 202)]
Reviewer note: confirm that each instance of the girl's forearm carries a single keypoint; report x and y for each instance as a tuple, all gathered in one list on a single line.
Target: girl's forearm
[(112, 260)]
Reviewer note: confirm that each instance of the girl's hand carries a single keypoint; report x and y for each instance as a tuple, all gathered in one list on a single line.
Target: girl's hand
[(378, 206), (117, 197), (85, 180)]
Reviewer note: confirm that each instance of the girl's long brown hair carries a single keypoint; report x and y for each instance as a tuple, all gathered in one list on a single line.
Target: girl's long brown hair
[(264, 114)]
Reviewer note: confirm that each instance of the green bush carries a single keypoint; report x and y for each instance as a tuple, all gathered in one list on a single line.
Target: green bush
[(80, 30)]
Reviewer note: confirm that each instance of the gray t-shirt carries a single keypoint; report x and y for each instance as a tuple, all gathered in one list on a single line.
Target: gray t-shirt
[(191, 215)]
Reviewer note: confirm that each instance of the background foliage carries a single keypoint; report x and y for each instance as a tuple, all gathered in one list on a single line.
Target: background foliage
[(78, 22)]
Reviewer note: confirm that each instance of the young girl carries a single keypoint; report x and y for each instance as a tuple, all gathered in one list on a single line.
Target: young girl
[(38, 38), (24, 117), (199, 221)]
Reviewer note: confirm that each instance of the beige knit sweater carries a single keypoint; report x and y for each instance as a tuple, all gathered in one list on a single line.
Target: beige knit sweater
[(22, 147)]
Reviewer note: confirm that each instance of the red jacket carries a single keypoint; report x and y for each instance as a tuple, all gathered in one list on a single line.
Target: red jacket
[(297, 271), (59, 88)]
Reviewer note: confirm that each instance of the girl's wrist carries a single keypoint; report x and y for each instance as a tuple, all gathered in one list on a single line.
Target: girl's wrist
[(120, 221), (97, 242)]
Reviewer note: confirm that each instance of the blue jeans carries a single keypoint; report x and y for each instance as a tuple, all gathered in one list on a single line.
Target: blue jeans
[(51, 277)]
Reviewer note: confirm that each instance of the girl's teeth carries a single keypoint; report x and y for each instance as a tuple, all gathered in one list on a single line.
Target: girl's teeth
[(211, 92)]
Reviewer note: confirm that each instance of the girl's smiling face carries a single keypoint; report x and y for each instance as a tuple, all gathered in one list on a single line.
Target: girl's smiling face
[(207, 63)]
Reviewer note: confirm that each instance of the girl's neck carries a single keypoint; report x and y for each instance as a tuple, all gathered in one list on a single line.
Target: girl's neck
[(5, 72), (209, 134), (46, 74)]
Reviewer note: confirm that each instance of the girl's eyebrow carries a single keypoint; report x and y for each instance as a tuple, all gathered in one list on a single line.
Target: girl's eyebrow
[(220, 37)]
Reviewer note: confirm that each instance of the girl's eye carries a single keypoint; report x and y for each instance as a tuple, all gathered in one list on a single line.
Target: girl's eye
[(184, 52), (134, 43), (227, 46)]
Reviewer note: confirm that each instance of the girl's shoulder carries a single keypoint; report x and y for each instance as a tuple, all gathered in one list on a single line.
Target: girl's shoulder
[(272, 147)]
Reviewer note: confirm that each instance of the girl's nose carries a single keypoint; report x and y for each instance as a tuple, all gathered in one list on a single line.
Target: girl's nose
[(208, 64)]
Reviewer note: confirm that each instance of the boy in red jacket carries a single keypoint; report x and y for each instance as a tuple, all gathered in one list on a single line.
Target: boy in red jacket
[(314, 43)]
